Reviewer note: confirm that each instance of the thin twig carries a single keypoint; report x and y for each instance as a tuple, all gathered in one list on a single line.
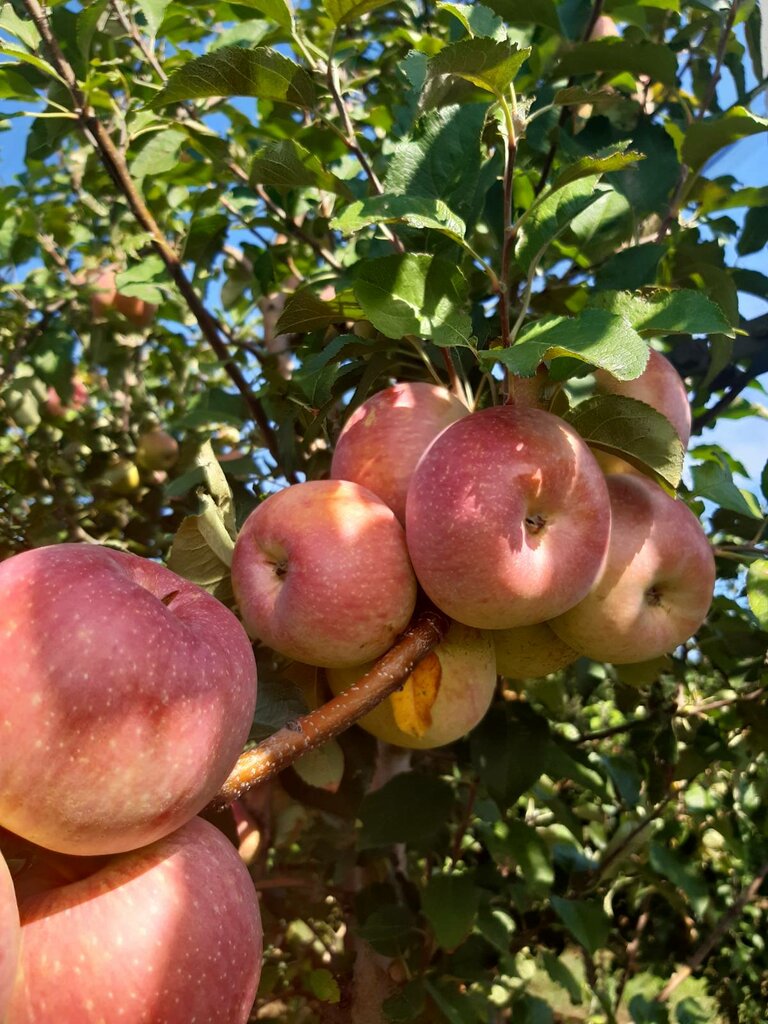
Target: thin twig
[(549, 159), (510, 154), (685, 171), (312, 730), (726, 922), (116, 166)]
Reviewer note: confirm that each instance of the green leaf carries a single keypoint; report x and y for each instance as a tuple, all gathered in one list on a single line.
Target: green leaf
[(442, 160), (477, 19), (86, 25), (673, 311), (533, 12), (632, 431), (14, 86), (609, 55), (631, 268), (714, 481), (585, 920), (322, 767), (278, 702), (406, 1004), (160, 154), (388, 930), (410, 808), (280, 11), (29, 58), (23, 29), (594, 336), (322, 984), (600, 163), (286, 165), (450, 905), (525, 847), (235, 71), (509, 751), (682, 873), (550, 217), (485, 63), (154, 12), (414, 293), (341, 11), (705, 138), (755, 232), (192, 557), (764, 481), (415, 211), (304, 311), (577, 94), (757, 591)]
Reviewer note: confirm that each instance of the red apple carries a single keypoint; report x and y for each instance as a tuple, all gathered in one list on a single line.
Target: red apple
[(507, 518), (9, 937), (169, 933), (386, 436), (127, 695), (444, 697), (660, 386), (529, 652), (656, 587), (157, 450), (321, 574), (106, 297)]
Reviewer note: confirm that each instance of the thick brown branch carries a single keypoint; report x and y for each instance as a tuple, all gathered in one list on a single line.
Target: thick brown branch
[(312, 730), (726, 922), (115, 164)]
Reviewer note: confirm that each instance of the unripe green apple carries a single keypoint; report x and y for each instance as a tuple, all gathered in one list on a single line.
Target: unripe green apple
[(384, 438), (507, 518), (157, 450), (127, 694), (444, 697), (529, 652), (167, 934), (321, 574), (9, 937), (122, 477), (657, 583)]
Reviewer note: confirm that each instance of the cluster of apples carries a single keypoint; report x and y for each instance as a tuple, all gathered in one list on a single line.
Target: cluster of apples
[(505, 519), (127, 694)]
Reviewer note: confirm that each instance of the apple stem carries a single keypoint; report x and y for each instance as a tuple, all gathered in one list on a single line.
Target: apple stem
[(312, 730)]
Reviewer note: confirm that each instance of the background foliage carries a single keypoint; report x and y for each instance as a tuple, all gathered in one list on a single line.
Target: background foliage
[(345, 186)]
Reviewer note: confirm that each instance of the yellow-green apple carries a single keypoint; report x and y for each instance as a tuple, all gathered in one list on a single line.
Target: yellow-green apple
[(106, 297), (321, 574), (127, 694), (9, 937), (386, 436), (660, 386), (507, 518), (444, 697), (157, 450), (656, 587), (168, 933), (528, 652)]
